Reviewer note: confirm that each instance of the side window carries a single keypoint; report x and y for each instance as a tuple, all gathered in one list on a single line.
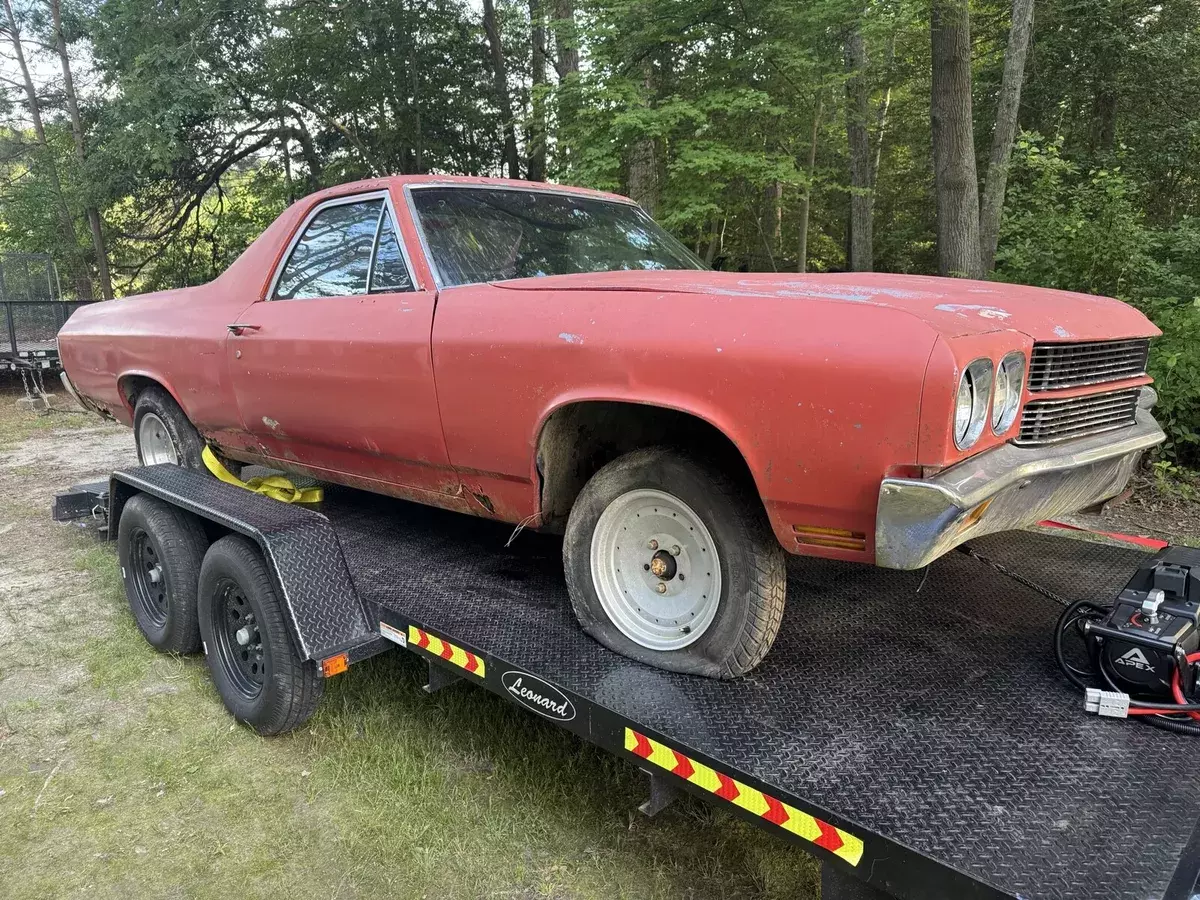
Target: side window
[(389, 272), (333, 256)]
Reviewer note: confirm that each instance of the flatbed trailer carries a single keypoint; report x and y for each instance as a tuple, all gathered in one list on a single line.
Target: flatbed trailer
[(909, 729), (29, 331)]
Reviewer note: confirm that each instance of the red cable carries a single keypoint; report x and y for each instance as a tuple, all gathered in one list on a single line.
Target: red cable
[(1177, 685), (1176, 691)]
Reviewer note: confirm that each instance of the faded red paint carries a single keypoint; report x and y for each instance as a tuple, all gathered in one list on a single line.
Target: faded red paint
[(825, 383)]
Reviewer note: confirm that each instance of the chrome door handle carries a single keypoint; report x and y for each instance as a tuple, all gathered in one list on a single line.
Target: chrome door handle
[(239, 327)]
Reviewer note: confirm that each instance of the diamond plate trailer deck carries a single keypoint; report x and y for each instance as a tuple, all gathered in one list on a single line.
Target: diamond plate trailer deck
[(909, 729)]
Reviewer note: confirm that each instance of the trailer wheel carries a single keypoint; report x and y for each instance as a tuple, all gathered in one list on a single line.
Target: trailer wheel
[(254, 664), (160, 548), (671, 562)]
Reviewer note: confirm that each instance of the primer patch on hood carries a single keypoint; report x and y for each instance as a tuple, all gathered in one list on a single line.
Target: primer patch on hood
[(984, 312)]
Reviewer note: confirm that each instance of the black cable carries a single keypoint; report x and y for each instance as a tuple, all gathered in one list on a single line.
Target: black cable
[(1172, 724), (1145, 704), (1069, 617), (1082, 610), (1075, 613)]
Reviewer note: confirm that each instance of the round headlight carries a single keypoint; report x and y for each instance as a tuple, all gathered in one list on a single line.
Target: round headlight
[(971, 403), (1010, 381)]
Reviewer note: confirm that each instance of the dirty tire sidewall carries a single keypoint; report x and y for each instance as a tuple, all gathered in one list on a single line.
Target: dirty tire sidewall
[(186, 439), (292, 687), (753, 569), (179, 543)]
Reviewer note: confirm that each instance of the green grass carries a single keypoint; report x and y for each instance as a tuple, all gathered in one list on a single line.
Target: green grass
[(17, 424), (387, 792)]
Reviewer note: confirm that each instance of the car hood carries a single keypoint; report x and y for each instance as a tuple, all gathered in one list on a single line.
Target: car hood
[(952, 306)]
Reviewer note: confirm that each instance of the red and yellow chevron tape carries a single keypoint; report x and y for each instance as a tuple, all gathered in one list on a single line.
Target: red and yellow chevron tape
[(464, 659), (835, 840)]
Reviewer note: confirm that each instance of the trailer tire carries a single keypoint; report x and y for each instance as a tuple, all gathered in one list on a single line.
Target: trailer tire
[(160, 548), (642, 525), (254, 664)]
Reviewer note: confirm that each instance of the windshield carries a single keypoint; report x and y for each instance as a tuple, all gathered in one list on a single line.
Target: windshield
[(483, 234)]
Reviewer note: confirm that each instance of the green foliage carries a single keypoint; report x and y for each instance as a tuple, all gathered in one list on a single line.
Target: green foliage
[(1084, 230), (203, 119)]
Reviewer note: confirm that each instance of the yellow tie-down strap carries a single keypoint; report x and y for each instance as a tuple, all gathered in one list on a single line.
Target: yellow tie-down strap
[(838, 842), (277, 487)]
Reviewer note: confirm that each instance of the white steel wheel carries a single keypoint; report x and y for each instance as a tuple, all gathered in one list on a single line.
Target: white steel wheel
[(154, 441), (656, 569)]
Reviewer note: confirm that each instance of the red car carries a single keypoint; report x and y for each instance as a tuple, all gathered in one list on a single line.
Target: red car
[(549, 356)]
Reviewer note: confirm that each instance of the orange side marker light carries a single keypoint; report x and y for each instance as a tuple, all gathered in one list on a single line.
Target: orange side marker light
[(335, 665)]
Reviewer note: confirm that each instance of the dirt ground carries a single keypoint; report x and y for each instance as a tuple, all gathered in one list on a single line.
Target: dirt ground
[(1169, 512)]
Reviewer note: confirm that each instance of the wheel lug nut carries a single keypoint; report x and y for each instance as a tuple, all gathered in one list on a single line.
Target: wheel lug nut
[(661, 587), (675, 551), (652, 544)]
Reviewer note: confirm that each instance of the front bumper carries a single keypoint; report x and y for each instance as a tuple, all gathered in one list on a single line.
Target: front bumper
[(1002, 489)]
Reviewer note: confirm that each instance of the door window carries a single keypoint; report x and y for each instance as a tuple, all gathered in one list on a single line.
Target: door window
[(345, 250), (389, 272)]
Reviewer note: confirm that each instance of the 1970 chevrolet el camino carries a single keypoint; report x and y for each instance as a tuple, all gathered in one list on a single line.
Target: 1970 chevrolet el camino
[(549, 356)]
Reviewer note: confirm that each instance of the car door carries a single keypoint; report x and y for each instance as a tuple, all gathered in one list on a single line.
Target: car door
[(332, 369)]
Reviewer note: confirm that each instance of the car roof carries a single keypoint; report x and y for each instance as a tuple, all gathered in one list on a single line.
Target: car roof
[(401, 181)]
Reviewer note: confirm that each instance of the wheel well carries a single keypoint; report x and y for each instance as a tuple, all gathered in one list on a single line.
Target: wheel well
[(579, 439), (132, 385)]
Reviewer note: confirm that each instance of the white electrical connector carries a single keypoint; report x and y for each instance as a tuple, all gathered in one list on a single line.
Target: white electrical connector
[(1107, 703)]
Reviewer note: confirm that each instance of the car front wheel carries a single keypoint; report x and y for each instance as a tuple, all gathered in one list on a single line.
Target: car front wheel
[(671, 562)]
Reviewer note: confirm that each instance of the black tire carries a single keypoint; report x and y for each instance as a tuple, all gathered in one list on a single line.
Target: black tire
[(184, 437), (236, 592), (753, 568), (161, 548)]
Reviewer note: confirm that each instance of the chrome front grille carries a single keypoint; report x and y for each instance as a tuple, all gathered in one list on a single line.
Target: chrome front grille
[(1050, 421), (1056, 366)]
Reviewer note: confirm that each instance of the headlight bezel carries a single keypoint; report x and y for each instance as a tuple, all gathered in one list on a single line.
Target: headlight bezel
[(1014, 366), (979, 375)]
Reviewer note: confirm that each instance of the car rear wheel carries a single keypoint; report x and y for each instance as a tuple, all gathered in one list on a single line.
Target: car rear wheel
[(254, 664), (671, 562), (163, 432), (160, 548)]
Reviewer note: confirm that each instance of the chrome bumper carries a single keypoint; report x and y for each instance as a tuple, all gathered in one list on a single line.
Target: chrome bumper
[(1001, 489)]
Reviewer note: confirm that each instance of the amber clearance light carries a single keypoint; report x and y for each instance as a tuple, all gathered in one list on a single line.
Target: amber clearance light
[(837, 538)]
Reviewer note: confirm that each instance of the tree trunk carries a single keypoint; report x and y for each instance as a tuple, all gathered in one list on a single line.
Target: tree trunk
[(643, 158), (419, 140), (1105, 116), (500, 78), (537, 128), (566, 66), (287, 163), (806, 199), (955, 180), (714, 236), (83, 283), (881, 120), (992, 204), (881, 123), (860, 241), (774, 197), (93, 214), (643, 175), (566, 40)]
